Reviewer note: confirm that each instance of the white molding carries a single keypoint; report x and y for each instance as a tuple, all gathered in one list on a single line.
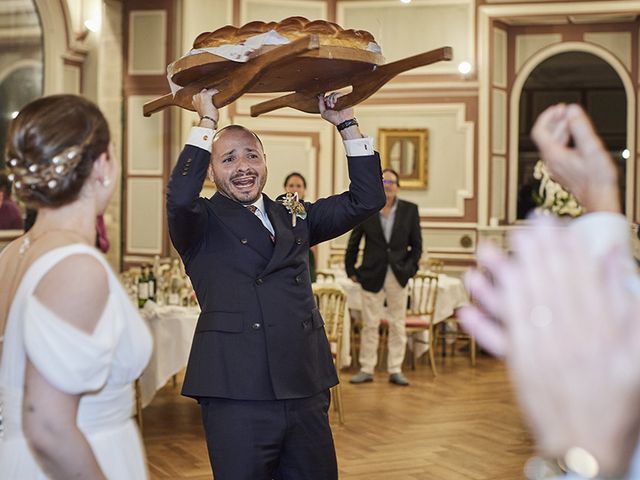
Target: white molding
[(560, 8), (160, 45), (284, 3), (516, 92)]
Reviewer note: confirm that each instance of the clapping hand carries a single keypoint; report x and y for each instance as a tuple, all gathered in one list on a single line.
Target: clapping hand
[(586, 169), (567, 324)]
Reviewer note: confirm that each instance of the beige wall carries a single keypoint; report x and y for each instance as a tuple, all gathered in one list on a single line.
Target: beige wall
[(469, 118)]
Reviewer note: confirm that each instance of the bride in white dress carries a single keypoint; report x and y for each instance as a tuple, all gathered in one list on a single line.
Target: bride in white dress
[(73, 342)]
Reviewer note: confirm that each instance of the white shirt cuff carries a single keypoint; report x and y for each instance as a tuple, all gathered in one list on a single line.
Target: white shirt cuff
[(603, 230), (359, 147), (201, 137)]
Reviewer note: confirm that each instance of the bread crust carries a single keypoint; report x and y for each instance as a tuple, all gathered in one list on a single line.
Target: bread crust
[(293, 28)]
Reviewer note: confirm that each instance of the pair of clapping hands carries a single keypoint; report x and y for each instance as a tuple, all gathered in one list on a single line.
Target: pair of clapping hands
[(566, 320)]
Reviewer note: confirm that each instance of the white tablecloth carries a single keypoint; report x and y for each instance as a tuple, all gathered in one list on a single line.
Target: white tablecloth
[(451, 295), (172, 330)]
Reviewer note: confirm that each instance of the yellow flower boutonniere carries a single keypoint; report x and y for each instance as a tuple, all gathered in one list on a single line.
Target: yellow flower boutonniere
[(294, 206)]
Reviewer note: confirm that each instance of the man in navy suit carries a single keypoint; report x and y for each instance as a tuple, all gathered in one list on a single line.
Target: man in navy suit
[(392, 250), (260, 364)]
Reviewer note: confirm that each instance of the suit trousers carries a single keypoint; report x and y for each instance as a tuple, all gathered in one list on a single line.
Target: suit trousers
[(372, 313), (270, 439)]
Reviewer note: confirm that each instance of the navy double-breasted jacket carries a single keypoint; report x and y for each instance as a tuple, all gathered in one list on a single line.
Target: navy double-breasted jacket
[(259, 335)]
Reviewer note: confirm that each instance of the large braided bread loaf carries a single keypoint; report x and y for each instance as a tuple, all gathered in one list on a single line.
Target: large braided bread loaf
[(329, 34)]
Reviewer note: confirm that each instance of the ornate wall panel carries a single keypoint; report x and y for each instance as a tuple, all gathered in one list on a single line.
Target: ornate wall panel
[(145, 219), (499, 58), (147, 42), (529, 45), (451, 152), (144, 139), (498, 188), (396, 25)]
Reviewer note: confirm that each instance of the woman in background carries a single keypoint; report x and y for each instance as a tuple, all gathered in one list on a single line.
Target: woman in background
[(296, 183), (73, 342)]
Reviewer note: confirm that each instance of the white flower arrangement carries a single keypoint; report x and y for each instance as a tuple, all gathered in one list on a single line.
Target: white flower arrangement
[(551, 197)]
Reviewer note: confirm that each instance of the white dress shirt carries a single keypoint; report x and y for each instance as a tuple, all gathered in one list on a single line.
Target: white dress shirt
[(261, 213)]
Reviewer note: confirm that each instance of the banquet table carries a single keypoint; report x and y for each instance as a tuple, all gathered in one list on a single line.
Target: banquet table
[(451, 295), (172, 329)]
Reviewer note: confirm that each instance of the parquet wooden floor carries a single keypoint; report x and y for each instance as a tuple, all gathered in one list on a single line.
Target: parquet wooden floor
[(462, 425)]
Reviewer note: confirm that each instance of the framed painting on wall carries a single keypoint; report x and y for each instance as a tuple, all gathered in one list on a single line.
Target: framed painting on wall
[(406, 151)]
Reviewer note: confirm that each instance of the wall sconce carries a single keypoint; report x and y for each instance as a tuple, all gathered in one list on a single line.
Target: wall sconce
[(90, 25), (465, 68)]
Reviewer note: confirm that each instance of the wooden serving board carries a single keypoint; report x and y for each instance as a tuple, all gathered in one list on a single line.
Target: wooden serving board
[(302, 67), (315, 66)]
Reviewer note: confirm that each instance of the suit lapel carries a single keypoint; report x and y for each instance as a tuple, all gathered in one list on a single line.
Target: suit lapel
[(400, 211), (243, 224), (281, 222), (376, 225)]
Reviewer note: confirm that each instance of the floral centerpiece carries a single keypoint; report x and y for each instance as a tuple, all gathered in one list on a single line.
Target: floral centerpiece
[(551, 197)]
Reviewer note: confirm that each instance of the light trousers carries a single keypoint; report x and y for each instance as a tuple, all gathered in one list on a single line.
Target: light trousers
[(372, 313)]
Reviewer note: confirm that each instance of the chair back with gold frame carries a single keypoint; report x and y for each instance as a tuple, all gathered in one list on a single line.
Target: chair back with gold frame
[(325, 275), (332, 304), (423, 295), (435, 266)]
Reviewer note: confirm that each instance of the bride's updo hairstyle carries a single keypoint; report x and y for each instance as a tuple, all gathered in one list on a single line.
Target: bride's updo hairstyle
[(51, 147)]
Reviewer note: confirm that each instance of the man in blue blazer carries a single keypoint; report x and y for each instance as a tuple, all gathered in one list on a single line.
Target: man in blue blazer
[(260, 364)]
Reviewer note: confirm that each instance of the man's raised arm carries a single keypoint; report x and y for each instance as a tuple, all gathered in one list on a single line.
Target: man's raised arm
[(186, 214)]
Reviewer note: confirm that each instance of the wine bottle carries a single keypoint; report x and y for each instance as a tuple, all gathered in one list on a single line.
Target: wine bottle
[(151, 280), (143, 287)]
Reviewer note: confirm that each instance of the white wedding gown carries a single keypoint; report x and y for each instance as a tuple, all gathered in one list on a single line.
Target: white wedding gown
[(104, 363)]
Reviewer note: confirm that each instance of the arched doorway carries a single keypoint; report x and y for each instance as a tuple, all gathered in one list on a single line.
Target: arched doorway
[(21, 62), (571, 77)]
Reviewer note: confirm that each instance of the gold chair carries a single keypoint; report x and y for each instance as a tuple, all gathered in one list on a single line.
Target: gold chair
[(423, 295), (331, 303), (435, 266), (325, 275), (336, 260), (452, 335)]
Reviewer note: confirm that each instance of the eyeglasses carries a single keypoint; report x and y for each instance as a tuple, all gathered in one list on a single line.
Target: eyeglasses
[(389, 182)]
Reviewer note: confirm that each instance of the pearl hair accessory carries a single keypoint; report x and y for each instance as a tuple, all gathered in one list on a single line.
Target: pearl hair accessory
[(47, 174)]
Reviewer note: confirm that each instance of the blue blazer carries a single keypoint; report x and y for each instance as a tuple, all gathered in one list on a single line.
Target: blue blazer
[(260, 335)]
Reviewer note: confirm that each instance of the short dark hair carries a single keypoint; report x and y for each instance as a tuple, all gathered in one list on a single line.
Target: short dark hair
[(239, 128), (295, 174), (5, 185), (45, 130), (395, 174)]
